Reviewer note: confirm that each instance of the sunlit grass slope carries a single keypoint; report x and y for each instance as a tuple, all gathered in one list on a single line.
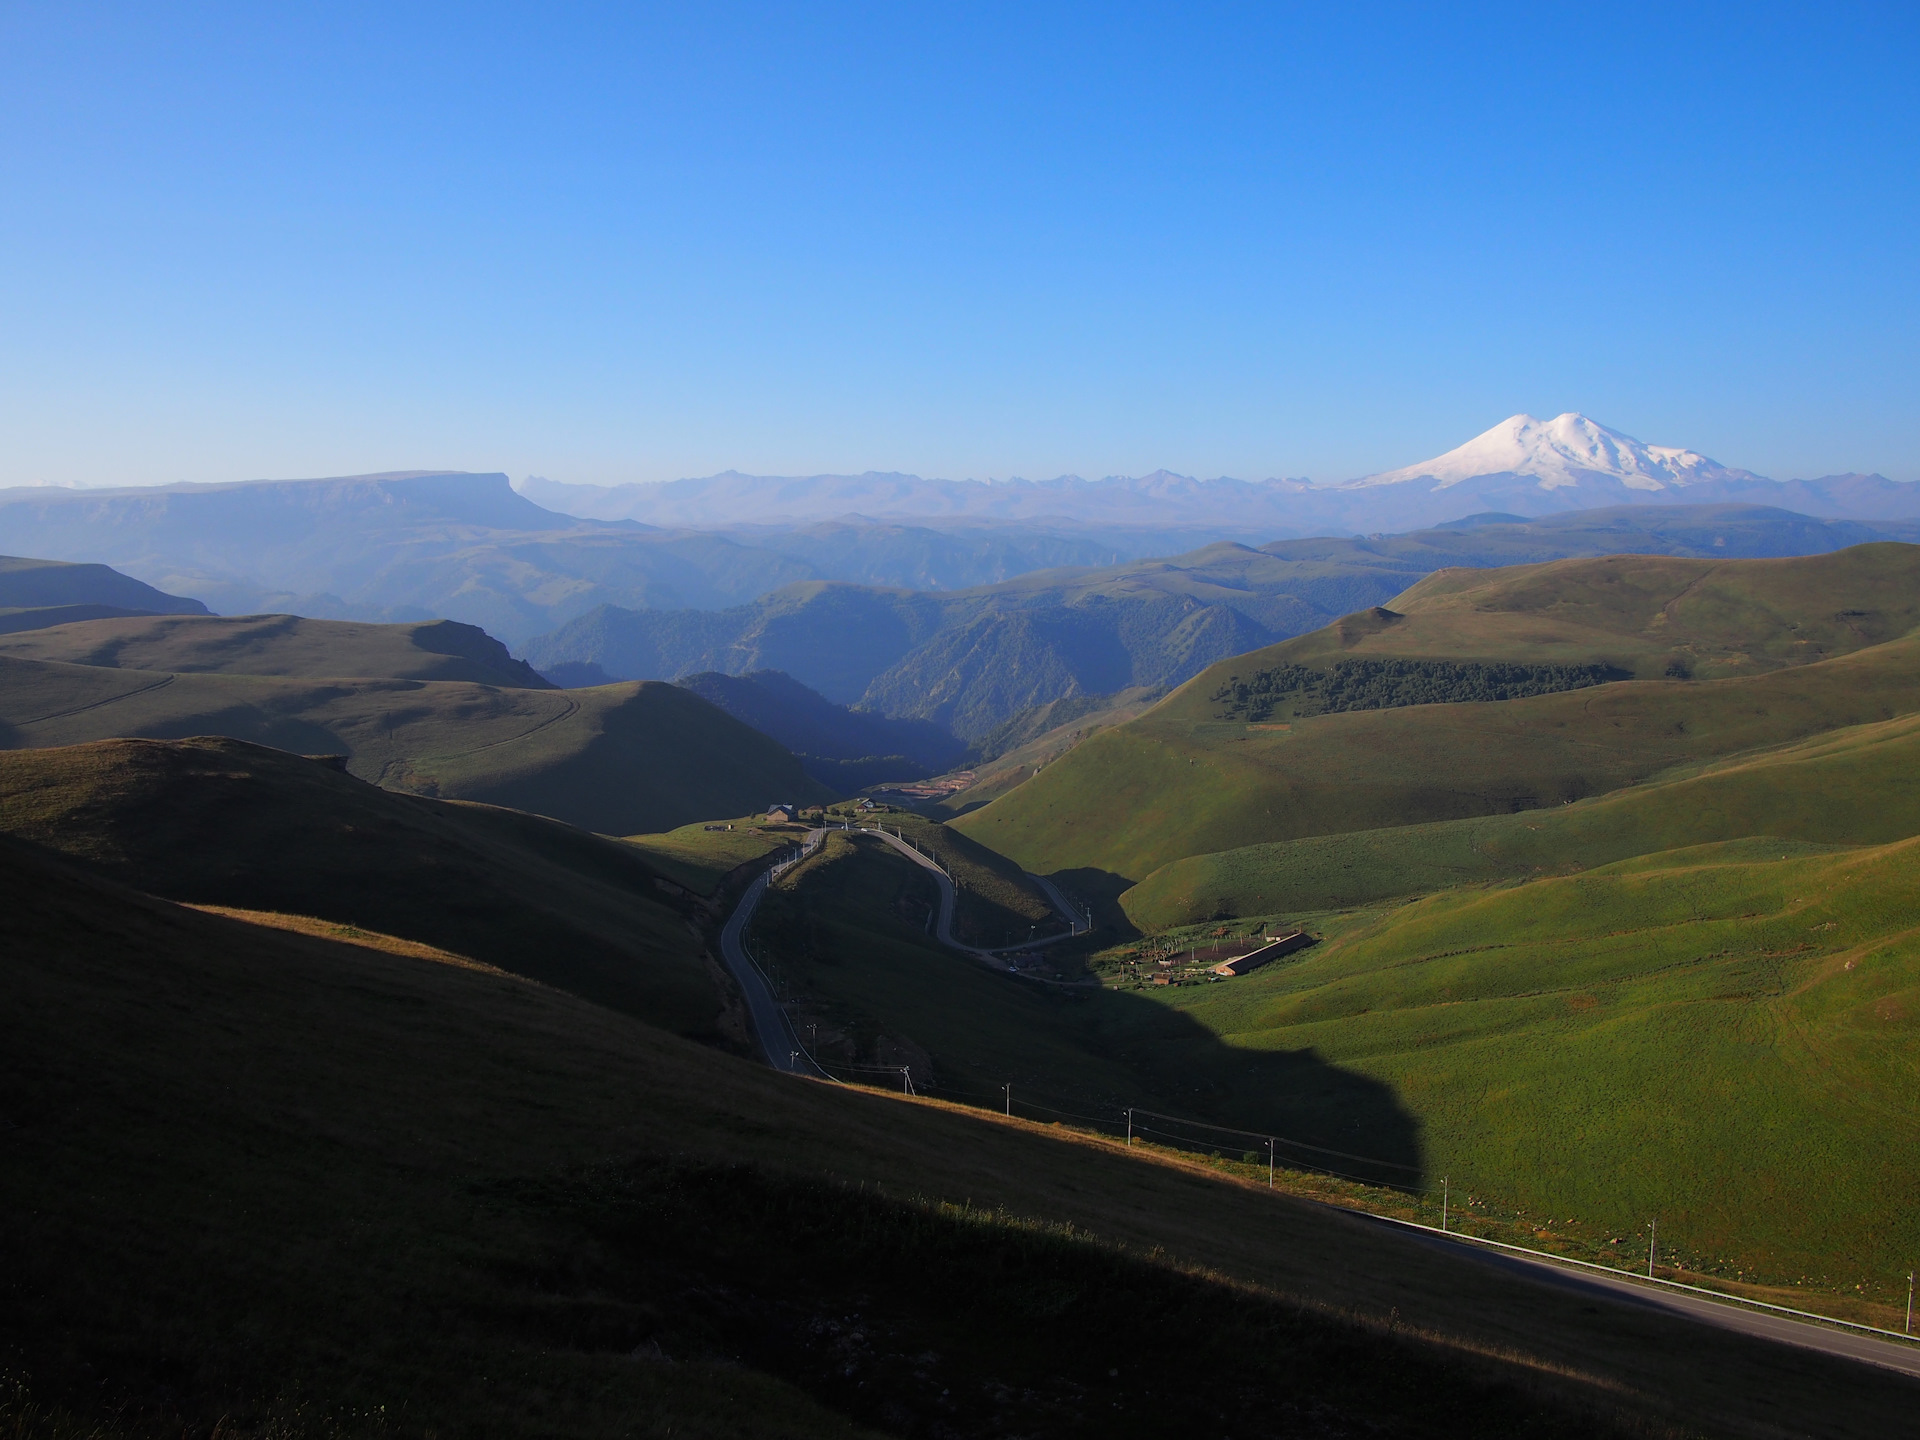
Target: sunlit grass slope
[(280, 645), (1180, 781), (1646, 612), (1859, 785), (700, 857), (302, 1186), (1718, 1037), (616, 759), (223, 822)]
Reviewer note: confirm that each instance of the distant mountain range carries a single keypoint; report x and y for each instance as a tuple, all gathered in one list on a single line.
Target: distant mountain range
[(427, 545), (972, 660), (1523, 465), (844, 749)]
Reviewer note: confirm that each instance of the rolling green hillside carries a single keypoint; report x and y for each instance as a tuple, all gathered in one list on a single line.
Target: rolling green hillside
[(1854, 786), (281, 645), (1720, 1036), (700, 857), (1187, 778), (618, 759), (1723, 1037), (448, 1201), (228, 823)]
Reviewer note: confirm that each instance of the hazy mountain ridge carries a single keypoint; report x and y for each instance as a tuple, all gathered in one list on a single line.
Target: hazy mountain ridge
[(968, 660), (972, 660), (1526, 465), (32, 584), (426, 545), (843, 748)]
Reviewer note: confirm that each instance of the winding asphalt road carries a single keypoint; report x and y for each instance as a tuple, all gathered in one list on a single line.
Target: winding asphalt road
[(781, 1046), (949, 900)]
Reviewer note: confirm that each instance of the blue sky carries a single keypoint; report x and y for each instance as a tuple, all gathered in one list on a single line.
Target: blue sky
[(630, 243)]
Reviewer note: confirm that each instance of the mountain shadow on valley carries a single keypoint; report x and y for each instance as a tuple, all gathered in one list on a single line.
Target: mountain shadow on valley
[(848, 936)]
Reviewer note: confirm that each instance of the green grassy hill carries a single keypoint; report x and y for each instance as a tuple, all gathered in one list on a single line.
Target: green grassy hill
[(223, 822), (1722, 1037), (1854, 786), (280, 645), (1197, 775), (1719, 1036), (700, 857), (618, 759), (303, 1185)]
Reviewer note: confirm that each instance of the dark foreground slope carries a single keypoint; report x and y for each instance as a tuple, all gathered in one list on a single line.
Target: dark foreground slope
[(222, 822), (304, 1186), (281, 645), (619, 759)]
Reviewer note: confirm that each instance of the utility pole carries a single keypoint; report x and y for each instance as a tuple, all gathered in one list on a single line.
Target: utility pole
[(1653, 1244)]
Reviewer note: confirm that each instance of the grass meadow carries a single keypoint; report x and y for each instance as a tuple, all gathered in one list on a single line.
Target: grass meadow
[(1177, 782), (272, 1183), (1719, 1038), (1859, 785)]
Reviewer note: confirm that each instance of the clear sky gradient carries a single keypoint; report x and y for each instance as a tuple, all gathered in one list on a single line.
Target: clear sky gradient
[(607, 243)]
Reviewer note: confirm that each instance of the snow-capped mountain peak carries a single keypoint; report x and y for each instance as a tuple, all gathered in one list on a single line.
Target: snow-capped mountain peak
[(1568, 450)]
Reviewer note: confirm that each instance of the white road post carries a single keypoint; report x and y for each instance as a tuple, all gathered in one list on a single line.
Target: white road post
[(1653, 1244), (1443, 1204)]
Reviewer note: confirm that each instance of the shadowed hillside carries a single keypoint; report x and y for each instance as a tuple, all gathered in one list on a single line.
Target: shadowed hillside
[(223, 822), (842, 748), (432, 1172), (27, 584), (282, 645), (619, 759)]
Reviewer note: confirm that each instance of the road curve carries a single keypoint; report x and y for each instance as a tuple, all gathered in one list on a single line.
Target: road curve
[(776, 1037), (949, 900), (1060, 904), (1851, 1345)]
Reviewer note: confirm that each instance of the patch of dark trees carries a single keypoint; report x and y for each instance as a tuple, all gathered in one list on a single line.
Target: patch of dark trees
[(1390, 684)]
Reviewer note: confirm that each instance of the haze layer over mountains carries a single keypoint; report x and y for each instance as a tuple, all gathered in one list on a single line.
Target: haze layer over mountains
[(959, 603), (1522, 465)]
